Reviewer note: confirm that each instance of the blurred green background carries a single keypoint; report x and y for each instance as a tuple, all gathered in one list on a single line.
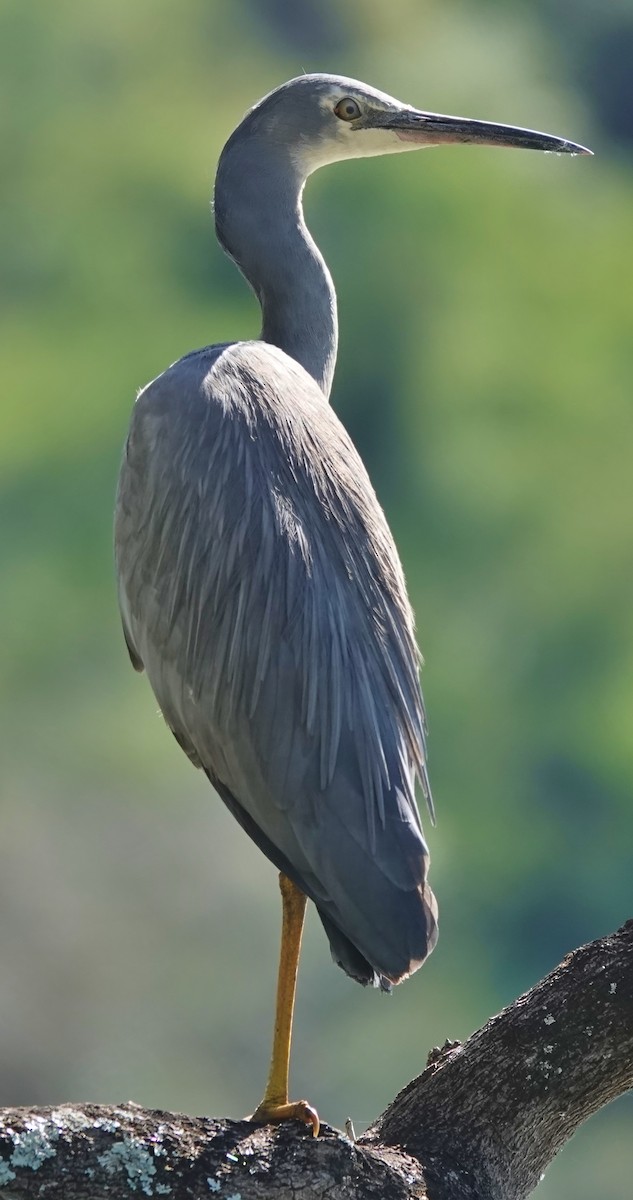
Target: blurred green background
[(485, 374)]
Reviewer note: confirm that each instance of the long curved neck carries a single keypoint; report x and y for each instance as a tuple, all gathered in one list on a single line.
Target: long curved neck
[(259, 223)]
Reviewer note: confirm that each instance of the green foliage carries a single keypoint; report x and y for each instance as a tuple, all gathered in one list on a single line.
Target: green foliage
[(485, 369)]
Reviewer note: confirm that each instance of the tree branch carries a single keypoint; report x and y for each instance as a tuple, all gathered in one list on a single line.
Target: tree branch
[(481, 1123), (497, 1109)]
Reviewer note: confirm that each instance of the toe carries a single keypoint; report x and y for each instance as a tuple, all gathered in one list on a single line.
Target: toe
[(295, 1110)]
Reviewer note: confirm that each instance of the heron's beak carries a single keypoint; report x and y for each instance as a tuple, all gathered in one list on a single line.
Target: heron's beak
[(432, 129)]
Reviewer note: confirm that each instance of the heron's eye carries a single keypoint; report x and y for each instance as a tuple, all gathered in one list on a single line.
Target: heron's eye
[(347, 109)]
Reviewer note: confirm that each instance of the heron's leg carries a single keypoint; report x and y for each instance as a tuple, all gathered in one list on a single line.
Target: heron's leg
[(275, 1106)]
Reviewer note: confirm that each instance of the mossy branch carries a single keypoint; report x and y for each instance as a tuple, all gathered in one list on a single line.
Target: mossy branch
[(482, 1122)]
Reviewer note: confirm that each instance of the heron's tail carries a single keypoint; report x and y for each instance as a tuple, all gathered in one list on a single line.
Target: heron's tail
[(391, 960)]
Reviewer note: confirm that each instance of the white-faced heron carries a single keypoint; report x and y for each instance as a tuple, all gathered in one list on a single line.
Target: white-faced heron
[(260, 587)]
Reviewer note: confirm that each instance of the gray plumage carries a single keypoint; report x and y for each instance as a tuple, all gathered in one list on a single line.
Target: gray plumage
[(284, 664), (259, 585)]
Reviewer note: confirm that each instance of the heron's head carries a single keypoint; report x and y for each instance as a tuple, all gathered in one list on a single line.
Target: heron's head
[(320, 119)]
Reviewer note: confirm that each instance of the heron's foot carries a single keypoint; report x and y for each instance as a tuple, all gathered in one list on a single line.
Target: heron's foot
[(268, 1112)]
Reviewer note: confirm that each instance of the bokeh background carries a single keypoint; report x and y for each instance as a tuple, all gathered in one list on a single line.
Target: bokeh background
[(485, 374)]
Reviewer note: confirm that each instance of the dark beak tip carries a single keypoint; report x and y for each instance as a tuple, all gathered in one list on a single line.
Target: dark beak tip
[(574, 149), (577, 151)]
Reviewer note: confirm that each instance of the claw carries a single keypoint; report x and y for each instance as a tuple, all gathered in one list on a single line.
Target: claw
[(294, 1110)]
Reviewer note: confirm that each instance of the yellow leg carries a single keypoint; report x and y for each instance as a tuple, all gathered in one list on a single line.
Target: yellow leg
[(275, 1106)]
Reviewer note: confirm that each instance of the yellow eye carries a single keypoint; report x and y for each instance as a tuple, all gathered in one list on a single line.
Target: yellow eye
[(347, 109)]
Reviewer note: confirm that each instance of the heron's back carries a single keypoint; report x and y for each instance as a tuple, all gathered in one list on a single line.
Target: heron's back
[(261, 590)]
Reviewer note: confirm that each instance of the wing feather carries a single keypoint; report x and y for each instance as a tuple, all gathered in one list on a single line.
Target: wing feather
[(261, 589)]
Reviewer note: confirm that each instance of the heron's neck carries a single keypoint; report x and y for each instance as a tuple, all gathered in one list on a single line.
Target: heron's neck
[(259, 222)]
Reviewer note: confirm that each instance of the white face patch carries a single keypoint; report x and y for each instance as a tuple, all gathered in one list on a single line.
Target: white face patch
[(343, 140), (349, 143)]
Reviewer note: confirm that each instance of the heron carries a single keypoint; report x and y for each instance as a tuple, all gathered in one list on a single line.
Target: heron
[(259, 585)]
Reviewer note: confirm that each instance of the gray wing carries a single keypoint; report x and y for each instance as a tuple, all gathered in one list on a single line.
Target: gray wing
[(261, 590)]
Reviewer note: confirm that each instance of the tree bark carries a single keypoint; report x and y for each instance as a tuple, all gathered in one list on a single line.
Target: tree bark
[(480, 1123)]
